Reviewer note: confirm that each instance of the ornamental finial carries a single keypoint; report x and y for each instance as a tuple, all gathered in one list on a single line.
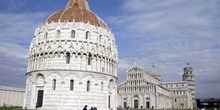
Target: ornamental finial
[(78, 3)]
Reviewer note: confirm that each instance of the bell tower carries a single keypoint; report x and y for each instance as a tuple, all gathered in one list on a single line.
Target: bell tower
[(189, 76)]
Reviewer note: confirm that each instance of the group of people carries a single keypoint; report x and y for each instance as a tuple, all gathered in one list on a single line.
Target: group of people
[(92, 108)]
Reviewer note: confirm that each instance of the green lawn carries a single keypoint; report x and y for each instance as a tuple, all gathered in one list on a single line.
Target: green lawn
[(9, 108)]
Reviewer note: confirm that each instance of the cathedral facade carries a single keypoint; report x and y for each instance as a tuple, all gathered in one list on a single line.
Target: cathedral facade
[(72, 62), (145, 89)]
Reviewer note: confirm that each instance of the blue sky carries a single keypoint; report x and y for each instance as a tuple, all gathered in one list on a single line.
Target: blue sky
[(169, 33)]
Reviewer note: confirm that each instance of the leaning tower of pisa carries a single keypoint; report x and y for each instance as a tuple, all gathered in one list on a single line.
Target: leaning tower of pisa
[(189, 76)]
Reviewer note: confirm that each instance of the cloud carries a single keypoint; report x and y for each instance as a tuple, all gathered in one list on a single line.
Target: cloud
[(19, 28), (16, 31), (10, 5), (170, 34), (13, 60)]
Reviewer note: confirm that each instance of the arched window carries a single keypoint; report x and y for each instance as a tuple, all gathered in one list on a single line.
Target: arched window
[(54, 84), (46, 34), (87, 35), (73, 33), (102, 86), (88, 86), (89, 59), (103, 69), (71, 85), (100, 38), (68, 58), (58, 34)]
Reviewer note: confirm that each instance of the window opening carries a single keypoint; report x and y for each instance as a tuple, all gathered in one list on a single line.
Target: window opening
[(58, 34), (101, 86), (54, 84), (46, 34), (87, 35), (67, 58), (88, 86), (89, 59), (73, 34), (100, 38), (71, 85)]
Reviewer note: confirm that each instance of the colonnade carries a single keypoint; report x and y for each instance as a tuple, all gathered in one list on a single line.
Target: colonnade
[(137, 89), (78, 61)]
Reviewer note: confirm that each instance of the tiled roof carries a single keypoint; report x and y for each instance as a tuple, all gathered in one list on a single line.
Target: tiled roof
[(76, 11), (6, 88)]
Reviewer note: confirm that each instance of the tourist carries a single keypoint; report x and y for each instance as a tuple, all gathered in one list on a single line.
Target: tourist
[(85, 107), (92, 108)]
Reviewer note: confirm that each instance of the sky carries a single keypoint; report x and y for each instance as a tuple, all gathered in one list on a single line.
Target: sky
[(166, 33)]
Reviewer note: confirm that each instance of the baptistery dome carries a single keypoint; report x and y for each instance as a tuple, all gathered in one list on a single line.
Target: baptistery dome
[(72, 61), (76, 11)]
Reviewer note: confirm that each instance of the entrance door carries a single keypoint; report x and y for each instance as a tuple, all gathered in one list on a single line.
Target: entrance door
[(125, 104), (40, 98), (135, 103), (147, 104), (109, 101)]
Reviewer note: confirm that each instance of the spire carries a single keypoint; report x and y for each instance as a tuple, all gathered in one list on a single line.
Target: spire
[(83, 4)]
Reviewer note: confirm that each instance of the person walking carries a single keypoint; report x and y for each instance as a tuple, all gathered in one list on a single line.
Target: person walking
[(92, 108), (85, 107), (95, 108)]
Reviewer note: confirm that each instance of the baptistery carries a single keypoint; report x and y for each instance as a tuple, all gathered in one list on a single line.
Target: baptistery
[(72, 62)]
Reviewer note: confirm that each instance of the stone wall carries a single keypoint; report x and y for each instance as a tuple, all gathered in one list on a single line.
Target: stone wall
[(10, 96)]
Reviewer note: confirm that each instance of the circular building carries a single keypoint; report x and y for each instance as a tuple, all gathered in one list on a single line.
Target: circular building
[(72, 62)]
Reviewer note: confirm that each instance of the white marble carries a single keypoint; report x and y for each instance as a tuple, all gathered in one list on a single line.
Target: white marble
[(64, 66), (146, 89), (11, 96)]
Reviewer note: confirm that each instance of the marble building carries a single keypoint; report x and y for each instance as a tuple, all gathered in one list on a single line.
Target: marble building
[(145, 89), (11, 96), (183, 91), (72, 62)]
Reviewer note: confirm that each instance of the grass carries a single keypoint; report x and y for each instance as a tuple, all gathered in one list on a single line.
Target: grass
[(10, 108)]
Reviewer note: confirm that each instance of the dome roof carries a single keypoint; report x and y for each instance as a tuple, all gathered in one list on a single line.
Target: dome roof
[(154, 71), (76, 11)]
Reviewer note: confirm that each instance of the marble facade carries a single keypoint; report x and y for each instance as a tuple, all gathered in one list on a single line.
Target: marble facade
[(145, 89)]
